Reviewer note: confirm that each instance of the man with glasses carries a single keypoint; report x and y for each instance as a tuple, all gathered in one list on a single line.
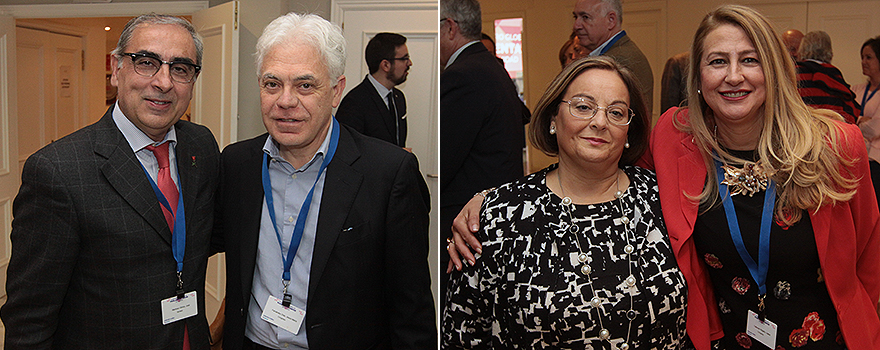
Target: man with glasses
[(376, 107), (112, 223), (481, 129)]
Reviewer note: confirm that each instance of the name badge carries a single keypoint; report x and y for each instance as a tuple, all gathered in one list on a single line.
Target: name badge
[(762, 331), (174, 309), (288, 318)]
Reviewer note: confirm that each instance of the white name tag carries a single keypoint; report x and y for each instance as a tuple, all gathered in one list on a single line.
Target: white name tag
[(764, 332), (174, 309), (288, 318)]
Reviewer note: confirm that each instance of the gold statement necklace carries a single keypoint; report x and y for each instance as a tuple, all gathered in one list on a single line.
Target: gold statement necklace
[(585, 259)]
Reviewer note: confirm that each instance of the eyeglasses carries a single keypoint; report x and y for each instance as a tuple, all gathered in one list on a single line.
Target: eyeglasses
[(404, 58), (583, 108), (148, 65)]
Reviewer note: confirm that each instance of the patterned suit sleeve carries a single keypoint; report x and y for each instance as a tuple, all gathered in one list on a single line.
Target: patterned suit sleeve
[(45, 245), (408, 282)]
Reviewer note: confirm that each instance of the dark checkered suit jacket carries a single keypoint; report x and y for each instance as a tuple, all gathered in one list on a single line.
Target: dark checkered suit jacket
[(91, 251)]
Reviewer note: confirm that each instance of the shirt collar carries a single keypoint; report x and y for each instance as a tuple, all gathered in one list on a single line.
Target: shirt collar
[(271, 148), (136, 138), (598, 50), (383, 91), (457, 52)]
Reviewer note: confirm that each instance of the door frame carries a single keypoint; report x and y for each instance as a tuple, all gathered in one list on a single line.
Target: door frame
[(126, 9)]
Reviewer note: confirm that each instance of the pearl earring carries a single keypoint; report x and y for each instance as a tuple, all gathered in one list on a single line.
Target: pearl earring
[(699, 92), (626, 145), (552, 129)]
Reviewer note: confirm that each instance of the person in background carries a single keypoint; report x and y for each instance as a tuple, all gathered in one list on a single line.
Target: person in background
[(111, 225), (866, 94), (596, 212), (768, 203), (792, 40), (571, 51), (673, 85), (481, 115), (325, 229), (598, 25), (376, 107), (821, 84)]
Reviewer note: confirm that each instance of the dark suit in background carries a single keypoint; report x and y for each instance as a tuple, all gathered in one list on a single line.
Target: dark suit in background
[(627, 53), (673, 84), (92, 257), (365, 111), (481, 133), (369, 286)]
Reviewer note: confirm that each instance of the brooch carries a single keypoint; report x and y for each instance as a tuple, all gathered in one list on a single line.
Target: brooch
[(748, 180)]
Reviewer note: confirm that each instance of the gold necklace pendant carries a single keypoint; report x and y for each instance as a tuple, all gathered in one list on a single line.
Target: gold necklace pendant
[(749, 179)]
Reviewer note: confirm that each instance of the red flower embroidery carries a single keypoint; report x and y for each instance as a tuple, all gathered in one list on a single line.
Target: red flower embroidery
[(713, 261), (743, 340), (814, 325), (740, 285), (799, 337)]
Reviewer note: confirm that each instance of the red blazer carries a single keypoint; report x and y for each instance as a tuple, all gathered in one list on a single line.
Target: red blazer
[(850, 261)]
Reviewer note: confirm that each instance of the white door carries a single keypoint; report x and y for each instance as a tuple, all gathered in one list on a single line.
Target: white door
[(215, 105), (417, 21), (9, 178), (51, 91)]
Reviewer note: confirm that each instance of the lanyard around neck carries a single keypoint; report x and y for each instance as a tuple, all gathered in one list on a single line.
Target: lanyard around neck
[(611, 43), (304, 210), (178, 233), (757, 270)]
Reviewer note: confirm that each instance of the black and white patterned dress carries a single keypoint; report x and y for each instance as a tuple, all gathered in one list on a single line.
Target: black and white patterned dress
[(527, 290)]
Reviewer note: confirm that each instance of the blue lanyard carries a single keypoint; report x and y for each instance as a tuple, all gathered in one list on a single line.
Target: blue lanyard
[(303, 211), (178, 234), (759, 270), (866, 97), (611, 43)]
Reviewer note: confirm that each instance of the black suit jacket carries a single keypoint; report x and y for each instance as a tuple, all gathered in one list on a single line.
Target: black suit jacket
[(366, 112), (91, 251), (481, 130), (370, 284)]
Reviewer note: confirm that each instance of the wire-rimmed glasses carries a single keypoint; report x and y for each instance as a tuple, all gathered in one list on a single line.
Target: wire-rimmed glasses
[(583, 108)]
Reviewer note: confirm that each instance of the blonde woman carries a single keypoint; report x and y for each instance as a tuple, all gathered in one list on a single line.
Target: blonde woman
[(768, 202)]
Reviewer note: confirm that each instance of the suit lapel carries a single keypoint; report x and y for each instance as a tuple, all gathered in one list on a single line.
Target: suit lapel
[(124, 172), (340, 188)]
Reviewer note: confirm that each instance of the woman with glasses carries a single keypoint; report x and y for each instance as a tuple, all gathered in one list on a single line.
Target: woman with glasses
[(575, 255)]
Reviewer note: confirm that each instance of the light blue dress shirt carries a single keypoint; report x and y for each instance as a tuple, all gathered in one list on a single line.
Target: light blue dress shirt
[(289, 188), (137, 139)]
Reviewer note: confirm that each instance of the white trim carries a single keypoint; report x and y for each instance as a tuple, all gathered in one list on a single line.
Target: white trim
[(123, 9), (338, 7)]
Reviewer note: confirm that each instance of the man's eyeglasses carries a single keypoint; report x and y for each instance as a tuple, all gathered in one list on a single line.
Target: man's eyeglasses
[(404, 58), (147, 65), (586, 109)]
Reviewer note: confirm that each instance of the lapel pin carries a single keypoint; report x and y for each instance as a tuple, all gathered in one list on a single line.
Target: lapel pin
[(193, 161)]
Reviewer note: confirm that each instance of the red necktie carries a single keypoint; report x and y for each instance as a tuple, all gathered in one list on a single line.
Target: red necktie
[(166, 185)]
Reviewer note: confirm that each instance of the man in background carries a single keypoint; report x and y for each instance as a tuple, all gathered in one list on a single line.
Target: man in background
[(792, 40), (376, 107), (481, 117), (598, 26)]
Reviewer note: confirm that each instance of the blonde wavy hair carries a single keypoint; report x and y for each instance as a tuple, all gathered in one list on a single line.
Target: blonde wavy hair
[(798, 144)]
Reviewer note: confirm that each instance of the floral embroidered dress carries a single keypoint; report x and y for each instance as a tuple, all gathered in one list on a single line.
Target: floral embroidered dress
[(797, 299), (528, 289)]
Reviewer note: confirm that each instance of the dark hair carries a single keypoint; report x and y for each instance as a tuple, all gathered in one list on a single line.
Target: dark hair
[(382, 47), (548, 106), (874, 43)]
